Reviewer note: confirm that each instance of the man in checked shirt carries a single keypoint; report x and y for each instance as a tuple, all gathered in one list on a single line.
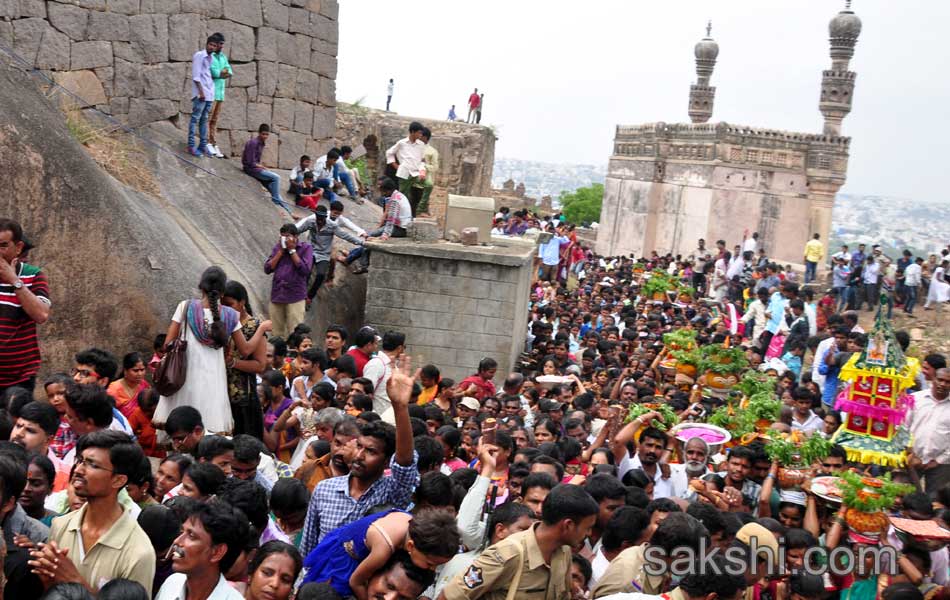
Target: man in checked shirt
[(342, 500)]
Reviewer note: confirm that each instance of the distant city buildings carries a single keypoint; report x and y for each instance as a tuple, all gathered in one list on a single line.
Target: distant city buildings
[(896, 223), (546, 179)]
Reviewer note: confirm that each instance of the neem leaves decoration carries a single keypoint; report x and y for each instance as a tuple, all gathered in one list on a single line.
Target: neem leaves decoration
[(668, 417), (869, 494)]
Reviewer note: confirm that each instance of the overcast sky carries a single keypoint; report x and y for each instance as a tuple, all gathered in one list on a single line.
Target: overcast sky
[(559, 75)]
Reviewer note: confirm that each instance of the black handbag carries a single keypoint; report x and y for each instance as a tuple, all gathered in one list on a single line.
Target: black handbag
[(171, 372)]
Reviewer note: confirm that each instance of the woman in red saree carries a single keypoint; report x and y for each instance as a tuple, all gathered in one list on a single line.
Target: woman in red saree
[(127, 388)]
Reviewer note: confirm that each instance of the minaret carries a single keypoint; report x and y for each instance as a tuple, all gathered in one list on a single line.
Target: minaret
[(827, 160), (702, 95), (837, 84)]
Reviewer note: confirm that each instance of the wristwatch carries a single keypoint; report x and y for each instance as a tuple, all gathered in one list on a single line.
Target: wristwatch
[(18, 284), (292, 251)]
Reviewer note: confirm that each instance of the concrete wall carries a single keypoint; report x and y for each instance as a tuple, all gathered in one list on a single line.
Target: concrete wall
[(131, 58), (456, 304), (466, 152)]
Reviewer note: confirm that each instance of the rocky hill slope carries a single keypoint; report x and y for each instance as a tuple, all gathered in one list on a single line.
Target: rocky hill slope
[(120, 259)]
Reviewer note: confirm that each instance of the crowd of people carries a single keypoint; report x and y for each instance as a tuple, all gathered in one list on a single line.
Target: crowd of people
[(286, 462)]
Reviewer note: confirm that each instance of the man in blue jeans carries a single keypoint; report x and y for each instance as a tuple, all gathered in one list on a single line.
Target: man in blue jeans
[(324, 173), (251, 160), (349, 177), (202, 95)]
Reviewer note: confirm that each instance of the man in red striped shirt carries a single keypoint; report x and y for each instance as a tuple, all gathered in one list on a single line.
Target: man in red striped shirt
[(24, 302)]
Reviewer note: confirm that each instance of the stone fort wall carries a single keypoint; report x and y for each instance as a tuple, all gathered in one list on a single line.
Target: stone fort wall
[(466, 152), (132, 59)]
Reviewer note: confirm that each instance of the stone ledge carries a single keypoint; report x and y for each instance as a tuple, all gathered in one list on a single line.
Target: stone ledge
[(509, 256)]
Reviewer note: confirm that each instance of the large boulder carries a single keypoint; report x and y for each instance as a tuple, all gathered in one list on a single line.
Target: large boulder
[(119, 260)]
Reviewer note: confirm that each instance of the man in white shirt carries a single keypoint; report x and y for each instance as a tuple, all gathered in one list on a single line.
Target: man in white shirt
[(930, 428), (844, 255), (406, 157), (380, 368), (803, 418), (653, 443), (389, 92), (756, 314), (750, 244), (912, 280), (871, 277), (336, 217), (323, 173), (212, 538), (296, 174)]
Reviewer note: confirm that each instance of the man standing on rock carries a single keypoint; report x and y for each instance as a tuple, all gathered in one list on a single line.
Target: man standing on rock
[(431, 158), (389, 93), (406, 157), (220, 72), (26, 302), (473, 103), (202, 95)]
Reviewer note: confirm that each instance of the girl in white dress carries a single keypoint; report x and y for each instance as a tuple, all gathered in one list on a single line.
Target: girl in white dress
[(939, 290), (207, 328)]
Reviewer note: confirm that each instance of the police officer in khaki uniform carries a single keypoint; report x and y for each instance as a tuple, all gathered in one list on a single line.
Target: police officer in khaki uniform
[(634, 570), (534, 564)]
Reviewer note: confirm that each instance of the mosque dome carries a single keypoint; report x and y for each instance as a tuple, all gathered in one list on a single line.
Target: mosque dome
[(845, 25), (707, 48)]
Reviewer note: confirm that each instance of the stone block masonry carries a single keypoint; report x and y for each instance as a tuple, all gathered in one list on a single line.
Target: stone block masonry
[(132, 59), (466, 152), (456, 304)]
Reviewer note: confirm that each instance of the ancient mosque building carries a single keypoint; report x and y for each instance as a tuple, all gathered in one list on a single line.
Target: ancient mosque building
[(669, 184)]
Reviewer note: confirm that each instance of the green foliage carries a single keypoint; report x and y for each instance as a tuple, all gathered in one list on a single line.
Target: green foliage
[(784, 451), (79, 128), (360, 165), (723, 361), (688, 357), (687, 290), (763, 405), (668, 415), (583, 204), (681, 338), (724, 417), (853, 483), (659, 282), (791, 454), (753, 382)]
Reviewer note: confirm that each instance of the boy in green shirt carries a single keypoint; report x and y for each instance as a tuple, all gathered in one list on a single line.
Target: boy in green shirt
[(220, 71)]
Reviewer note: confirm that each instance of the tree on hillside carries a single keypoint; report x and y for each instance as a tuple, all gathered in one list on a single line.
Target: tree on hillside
[(583, 204)]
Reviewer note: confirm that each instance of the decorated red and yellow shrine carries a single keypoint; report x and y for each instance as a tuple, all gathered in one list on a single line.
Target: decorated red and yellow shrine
[(876, 399)]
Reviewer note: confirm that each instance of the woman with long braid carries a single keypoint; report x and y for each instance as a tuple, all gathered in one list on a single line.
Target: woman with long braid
[(208, 327)]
